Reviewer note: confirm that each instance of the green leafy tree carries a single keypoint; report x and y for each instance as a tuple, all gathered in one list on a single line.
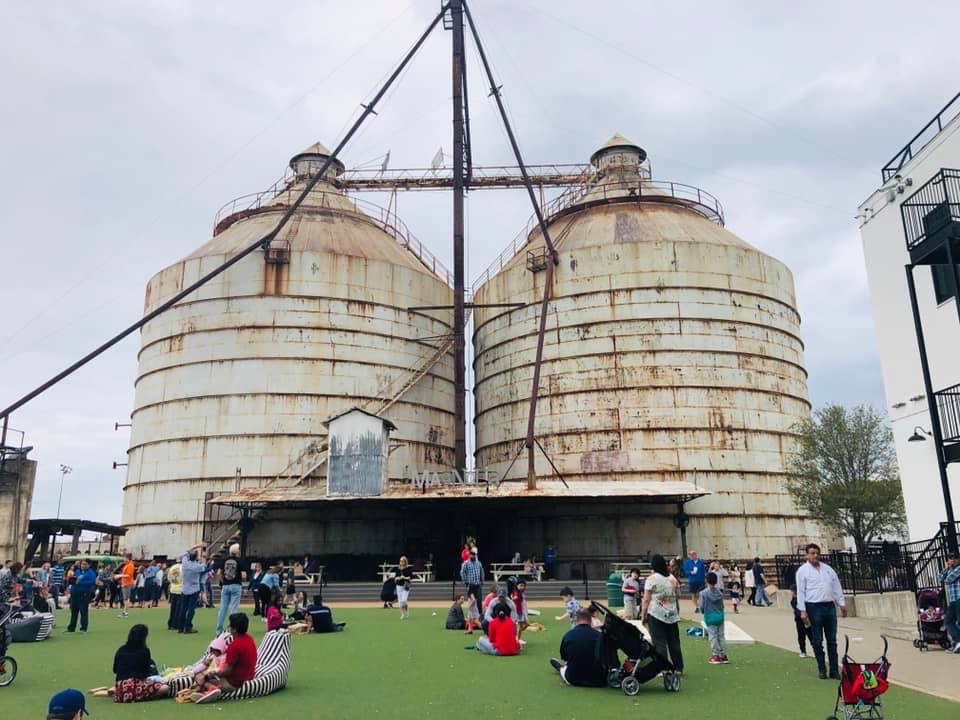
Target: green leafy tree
[(844, 473)]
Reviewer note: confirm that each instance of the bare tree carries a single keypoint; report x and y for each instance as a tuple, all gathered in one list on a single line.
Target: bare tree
[(845, 473)]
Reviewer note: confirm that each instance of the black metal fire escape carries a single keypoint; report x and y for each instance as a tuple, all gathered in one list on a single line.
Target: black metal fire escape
[(931, 225)]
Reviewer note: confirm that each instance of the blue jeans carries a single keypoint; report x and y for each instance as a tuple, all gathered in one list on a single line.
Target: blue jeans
[(761, 597), (950, 621), (188, 604), (229, 604), (823, 622), (485, 646)]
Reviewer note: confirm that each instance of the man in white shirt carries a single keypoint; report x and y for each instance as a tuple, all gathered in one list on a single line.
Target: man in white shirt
[(818, 595)]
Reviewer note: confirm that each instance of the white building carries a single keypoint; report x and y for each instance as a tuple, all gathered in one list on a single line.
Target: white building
[(936, 147)]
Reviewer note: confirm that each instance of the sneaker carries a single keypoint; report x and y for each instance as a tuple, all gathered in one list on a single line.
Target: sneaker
[(803, 654), (724, 659), (83, 632), (715, 660), (823, 674), (834, 674), (522, 642), (955, 649), (556, 664), (209, 696)]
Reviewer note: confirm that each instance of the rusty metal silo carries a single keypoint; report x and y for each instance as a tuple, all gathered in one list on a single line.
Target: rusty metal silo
[(672, 352), (243, 374)]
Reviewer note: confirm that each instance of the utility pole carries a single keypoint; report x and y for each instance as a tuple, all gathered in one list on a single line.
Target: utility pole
[(64, 471), (459, 344)]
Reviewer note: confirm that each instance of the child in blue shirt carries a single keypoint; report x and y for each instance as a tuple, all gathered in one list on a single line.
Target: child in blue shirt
[(571, 606)]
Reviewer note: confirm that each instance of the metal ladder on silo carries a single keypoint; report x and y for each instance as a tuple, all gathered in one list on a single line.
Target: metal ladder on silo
[(297, 470)]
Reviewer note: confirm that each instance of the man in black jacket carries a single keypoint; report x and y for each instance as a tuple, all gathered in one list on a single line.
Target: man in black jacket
[(321, 617), (581, 650)]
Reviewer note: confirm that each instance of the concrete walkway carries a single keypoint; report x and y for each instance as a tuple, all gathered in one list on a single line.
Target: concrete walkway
[(934, 671)]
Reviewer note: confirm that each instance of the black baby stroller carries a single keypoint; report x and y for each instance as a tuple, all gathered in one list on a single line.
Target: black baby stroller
[(8, 666), (388, 593), (642, 662), (930, 616)]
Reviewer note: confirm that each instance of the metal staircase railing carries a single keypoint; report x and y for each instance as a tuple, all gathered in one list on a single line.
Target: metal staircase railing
[(316, 453), (388, 398)]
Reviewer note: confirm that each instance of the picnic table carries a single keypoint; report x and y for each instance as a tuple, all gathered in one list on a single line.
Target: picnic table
[(506, 569), (421, 576), (315, 578), (623, 569)]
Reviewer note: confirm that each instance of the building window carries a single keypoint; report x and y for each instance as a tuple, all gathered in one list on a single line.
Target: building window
[(943, 287)]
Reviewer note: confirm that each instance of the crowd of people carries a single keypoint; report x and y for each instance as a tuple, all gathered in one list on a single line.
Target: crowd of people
[(500, 616)]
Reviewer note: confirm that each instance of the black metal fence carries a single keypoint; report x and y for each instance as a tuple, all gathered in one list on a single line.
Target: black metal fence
[(889, 567)]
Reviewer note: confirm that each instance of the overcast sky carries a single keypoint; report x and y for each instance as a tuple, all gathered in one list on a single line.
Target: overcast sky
[(126, 125)]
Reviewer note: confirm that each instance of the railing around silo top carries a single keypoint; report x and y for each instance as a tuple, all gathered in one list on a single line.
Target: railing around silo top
[(389, 222), (934, 206), (593, 192)]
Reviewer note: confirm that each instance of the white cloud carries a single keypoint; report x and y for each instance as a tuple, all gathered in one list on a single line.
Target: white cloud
[(130, 124)]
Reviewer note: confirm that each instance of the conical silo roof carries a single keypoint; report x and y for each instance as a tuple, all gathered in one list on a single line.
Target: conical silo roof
[(618, 142)]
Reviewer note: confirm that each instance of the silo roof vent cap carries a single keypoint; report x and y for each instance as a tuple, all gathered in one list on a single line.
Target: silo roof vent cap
[(310, 160), (618, 143)]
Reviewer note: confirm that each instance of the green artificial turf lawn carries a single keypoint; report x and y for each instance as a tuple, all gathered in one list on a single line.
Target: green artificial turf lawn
[(382, 667)]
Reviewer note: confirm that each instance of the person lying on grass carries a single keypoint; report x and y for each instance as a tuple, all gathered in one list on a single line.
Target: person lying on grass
[(240, 664)]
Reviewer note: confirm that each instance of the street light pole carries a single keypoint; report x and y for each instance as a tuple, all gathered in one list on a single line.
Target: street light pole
[(64, 471)]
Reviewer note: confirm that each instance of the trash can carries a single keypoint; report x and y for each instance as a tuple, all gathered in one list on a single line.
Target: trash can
[(614, 590)]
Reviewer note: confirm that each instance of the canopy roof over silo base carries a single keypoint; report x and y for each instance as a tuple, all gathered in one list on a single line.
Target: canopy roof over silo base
[(652, 492)]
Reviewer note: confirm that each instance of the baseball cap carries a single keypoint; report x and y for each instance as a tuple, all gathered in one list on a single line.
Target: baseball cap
[(66, 702)]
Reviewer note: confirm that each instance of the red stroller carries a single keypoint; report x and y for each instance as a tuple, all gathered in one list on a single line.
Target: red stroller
[(861, 685)]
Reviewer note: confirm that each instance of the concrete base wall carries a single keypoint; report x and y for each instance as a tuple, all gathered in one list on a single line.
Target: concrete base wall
[(898, 607), (16, 496)]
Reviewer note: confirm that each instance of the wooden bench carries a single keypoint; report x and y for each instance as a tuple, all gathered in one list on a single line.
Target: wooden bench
[(499, 570)]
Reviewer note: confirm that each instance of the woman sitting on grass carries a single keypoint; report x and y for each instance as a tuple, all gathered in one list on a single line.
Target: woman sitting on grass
[(275, 612), (240, 664), (501, 637), (132, 665)]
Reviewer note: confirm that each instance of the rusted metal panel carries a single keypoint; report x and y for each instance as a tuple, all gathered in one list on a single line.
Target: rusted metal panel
[(359, 448), (673, 352), (655, 490)]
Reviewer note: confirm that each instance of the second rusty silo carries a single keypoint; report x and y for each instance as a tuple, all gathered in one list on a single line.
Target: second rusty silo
[(672, 353)]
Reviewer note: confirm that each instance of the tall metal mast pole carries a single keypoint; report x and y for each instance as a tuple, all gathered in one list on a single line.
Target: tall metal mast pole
[(460, 368)]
